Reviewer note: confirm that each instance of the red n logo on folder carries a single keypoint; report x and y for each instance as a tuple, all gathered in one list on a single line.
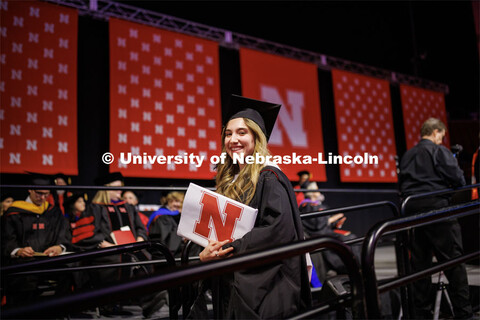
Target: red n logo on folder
[(224, 222)]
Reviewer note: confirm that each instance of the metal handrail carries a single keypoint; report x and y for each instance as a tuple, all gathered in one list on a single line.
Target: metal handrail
[(397, 282), (186, 274), (400, 250), (187, 290), (347, 190), (434, 193), (72, 187), (28, 268), (86, 268), (317, 214), (327, 212), (90, 254), (362, 206), (171, 188), (398, 225)]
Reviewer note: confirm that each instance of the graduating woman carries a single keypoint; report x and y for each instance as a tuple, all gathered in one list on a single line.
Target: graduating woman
[(280, 289)]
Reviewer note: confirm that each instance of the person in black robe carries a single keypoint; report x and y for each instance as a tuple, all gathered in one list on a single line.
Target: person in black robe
[(280, 289), (163, 223), (327, 263), (33, 229), (92, 229)]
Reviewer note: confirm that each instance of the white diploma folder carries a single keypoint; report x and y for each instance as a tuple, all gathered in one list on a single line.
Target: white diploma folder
[(209, 215)]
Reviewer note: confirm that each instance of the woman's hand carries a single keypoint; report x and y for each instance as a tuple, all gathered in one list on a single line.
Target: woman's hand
[(214, 251)]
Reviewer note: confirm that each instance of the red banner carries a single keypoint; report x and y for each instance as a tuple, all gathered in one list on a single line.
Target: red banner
[(164, 102), (294, 85), (38, 88), (364, 128), (418, 105)]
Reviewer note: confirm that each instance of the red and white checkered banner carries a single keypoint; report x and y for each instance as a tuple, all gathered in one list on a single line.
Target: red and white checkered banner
[(164, 102), (364, 127), (38, 88), (294, 85), (418, 105)]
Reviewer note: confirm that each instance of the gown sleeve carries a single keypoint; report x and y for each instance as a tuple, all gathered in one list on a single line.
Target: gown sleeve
[(274, 224)]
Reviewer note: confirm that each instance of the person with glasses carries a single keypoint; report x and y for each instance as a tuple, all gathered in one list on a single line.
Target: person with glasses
[(30, 229)]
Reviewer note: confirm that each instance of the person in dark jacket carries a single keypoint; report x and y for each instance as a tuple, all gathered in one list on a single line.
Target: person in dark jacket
[(427, 167), (282, 288)]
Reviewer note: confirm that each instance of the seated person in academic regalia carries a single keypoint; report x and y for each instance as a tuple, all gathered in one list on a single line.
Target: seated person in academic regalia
[(33, 229), (163, 223), (57, 196), (303, 181), (6, 200), (117, 212), (324, 226), (131, 197), (85, 226), (111, 213)]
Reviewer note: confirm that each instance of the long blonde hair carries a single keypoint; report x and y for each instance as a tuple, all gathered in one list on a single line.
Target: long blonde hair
[(243, 189), (102, 197)]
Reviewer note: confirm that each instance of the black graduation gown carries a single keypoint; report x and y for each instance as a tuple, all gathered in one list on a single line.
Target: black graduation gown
[(164, 229), (119, 215), (95, 225), (21, 227), (24, 228), (280, 289), (89, 230)]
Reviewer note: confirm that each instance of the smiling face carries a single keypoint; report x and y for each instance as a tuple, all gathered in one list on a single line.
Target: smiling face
[(174, 205), (238, 138)]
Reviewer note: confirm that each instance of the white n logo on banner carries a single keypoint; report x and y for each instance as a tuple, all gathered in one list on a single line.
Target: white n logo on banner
[(291, 122)]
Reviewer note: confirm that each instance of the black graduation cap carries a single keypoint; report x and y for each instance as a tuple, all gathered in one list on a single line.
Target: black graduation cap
[(62, 176), (5, 196), (69, 201), (263, 113), (301, 173), (113, 176), (39, 179)]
